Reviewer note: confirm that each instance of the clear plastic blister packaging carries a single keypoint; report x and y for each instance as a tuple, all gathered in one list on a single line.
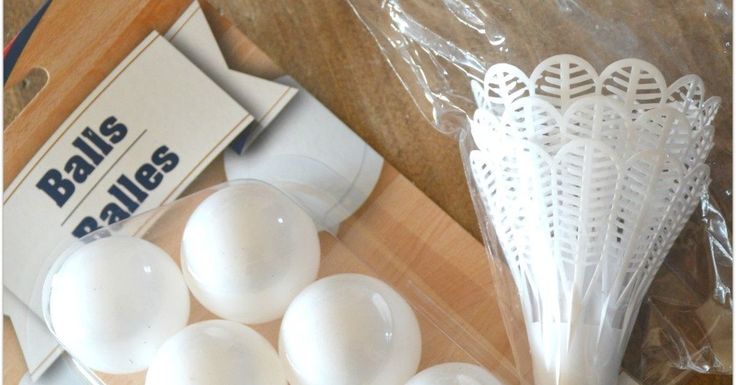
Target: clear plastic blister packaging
[(593, 133), (280, 282)]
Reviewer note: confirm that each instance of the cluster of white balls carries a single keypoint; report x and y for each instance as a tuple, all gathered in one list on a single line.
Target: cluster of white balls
[(249, 255)]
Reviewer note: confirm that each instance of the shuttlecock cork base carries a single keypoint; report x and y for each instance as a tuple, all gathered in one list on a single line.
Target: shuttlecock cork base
[(587, 179)]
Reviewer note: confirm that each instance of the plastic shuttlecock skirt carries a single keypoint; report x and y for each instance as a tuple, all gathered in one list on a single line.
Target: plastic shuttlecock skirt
[(587, 180)]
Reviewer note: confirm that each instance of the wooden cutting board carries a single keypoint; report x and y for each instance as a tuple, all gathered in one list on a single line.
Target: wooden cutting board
[(399, 235)]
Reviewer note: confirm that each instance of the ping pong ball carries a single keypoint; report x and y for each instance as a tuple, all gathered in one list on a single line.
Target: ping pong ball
[(247, 251), (454, 373), (349, 329), (216, 352), (114, 301)]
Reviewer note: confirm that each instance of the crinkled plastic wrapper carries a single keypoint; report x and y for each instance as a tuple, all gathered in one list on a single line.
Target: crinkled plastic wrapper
[(437, 48)]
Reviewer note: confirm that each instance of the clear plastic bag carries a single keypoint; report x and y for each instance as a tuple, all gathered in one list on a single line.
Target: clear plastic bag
[(438, 47)]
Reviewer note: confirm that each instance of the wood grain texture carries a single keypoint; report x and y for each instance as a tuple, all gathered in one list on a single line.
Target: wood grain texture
[(318, 42), (13, 366)]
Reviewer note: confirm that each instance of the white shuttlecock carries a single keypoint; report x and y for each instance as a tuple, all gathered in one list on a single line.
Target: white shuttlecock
[(587, 180)]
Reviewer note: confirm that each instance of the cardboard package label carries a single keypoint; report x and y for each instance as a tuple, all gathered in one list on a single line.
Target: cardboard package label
[(134, 143)]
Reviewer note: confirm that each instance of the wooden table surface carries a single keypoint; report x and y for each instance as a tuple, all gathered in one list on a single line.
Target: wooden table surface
[(322, 45)]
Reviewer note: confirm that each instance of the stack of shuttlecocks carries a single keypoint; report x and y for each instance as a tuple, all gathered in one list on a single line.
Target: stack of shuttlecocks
[(587, 180)]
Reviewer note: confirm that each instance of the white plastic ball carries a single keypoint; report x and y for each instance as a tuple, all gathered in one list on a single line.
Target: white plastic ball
[(114, 302), (216, 352), (349, 329), (454, 373), (247, 251)]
